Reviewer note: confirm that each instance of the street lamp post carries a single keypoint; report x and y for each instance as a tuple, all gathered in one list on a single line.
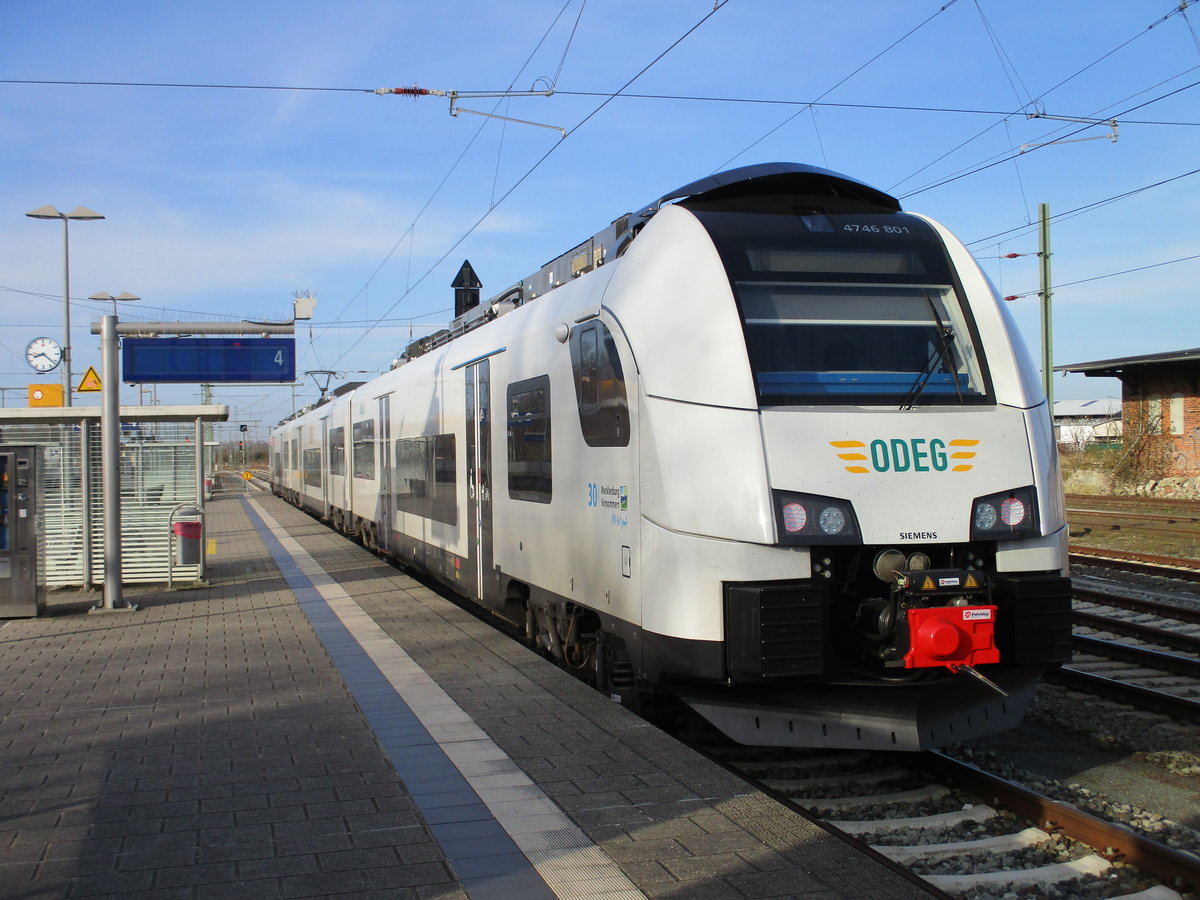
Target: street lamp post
[(123, 297), (82, 214)]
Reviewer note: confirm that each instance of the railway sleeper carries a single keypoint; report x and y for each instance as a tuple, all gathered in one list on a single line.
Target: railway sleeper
[(928, 793), (1001, 843), (790, 786), (974, 815), (1091, 864)]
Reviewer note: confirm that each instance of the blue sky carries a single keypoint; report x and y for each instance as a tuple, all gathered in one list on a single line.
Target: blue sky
[(221, 202)]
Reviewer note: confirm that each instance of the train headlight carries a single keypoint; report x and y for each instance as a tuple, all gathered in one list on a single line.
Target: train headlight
[(1005, 516), (810, 519), (832, 520), (1012, 511), (985, 516), (795, 517)]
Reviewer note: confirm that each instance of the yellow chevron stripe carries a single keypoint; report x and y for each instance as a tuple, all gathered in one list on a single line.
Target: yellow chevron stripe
[(852, 456), (962, 468), (841, 444), (858, 470)]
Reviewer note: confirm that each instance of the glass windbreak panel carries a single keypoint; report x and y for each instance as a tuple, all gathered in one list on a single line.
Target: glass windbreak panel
[(851, 308)]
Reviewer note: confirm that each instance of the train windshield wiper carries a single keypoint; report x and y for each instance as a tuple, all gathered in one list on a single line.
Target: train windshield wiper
[(941, 353)]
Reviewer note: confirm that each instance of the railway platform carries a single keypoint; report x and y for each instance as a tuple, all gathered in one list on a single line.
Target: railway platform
[(313, 722)]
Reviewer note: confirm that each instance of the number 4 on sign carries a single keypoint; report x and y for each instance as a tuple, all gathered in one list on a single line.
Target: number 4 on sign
[(91, 381)]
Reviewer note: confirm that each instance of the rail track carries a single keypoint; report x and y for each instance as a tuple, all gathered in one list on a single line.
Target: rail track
[(1155, 565), (968, 832), (964, 830), (1135, 650), (1127, 528)]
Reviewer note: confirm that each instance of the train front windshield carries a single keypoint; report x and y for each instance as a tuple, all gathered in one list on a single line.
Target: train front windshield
[(857, 309)]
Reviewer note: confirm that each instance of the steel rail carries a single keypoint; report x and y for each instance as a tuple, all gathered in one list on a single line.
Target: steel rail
[(1139, 604), (1132, 519), (1140, 656), (1132, 694), (1160, 566), (1175, 867), (1184, 643), (1131, 504)]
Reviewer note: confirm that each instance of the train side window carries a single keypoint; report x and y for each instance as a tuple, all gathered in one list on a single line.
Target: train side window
[(599, 387), (425, 477), (364, 448), (337, 450), (312, 466), (529, 447), (294, 454)]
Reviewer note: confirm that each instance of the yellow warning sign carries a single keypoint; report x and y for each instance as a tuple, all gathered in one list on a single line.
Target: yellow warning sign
[(971, 582), (247, 475), (91, 381), (928, 585)]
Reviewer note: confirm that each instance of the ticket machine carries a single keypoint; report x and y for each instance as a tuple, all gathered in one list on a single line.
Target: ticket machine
[(22, 591)]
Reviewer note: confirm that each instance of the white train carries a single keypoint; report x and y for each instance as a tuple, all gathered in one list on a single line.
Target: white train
[(769, 445)]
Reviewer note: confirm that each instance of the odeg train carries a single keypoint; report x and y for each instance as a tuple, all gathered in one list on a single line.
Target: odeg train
[(770, 446)]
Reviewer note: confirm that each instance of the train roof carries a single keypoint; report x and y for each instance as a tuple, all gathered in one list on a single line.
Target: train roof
[(610, 243)]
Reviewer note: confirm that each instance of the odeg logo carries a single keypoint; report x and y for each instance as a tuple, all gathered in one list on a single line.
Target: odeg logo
[(902, 455)]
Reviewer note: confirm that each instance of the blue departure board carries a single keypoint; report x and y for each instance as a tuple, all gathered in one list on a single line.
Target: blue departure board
[(196, 360)]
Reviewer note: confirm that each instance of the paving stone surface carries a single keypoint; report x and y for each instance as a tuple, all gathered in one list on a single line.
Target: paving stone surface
[(206, 746)]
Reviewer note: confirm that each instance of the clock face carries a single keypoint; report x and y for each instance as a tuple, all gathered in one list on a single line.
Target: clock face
[(43, 354)]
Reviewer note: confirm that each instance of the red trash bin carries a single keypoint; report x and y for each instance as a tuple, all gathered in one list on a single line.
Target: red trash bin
[(187, 543)]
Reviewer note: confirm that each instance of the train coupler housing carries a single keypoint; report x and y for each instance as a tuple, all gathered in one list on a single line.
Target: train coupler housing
[(943, 619)]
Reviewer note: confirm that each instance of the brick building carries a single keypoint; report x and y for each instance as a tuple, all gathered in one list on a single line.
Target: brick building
[(1160, 406)]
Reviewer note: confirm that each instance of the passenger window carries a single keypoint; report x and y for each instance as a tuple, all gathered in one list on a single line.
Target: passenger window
[(529, 440), (426, 477), (312, 466), (337, 450), (364, 448), (599, 387)]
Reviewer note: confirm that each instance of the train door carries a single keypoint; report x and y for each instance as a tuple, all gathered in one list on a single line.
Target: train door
[(479, 480), (386, 500)]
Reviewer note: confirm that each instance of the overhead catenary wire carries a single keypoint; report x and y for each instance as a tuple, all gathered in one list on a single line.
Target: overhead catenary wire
[(1042, 96), (834, 87), (717, 6), (1007, 155), (1065, 284), (503, 94), (410, 232), (1087, 207)]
